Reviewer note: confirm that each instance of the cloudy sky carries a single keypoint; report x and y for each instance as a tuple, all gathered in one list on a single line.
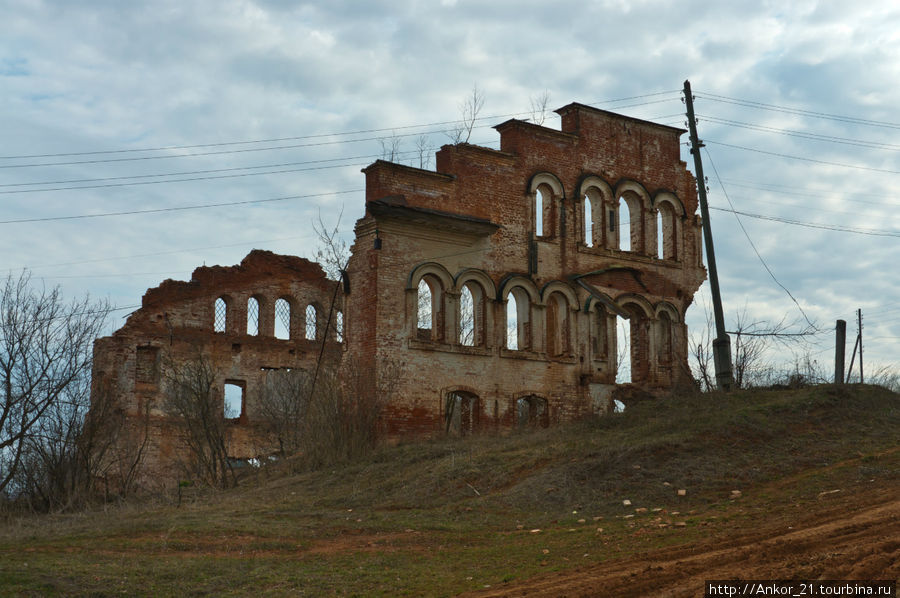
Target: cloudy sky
[(142, 139)]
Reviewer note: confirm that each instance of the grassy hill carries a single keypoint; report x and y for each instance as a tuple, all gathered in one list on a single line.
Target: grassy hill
[(448, 516)]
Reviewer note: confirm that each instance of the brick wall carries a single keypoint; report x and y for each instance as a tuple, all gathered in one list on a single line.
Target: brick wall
[(473, 232)]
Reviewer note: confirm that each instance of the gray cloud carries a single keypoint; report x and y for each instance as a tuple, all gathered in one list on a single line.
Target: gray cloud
[(93, 75)]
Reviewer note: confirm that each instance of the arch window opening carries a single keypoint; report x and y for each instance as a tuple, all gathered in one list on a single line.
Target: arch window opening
[(512, 323), (665, 339), (220, 319), (311, 323), (532, 412), (518, 322), (467, 317), (624, 223), (599, 338), (234, 399), (666, 227), (539, 207), (282, 319), (660, 236), (253, 316), (425, 311), (557, 326), (623, 350), (461, 413), (588, 223)]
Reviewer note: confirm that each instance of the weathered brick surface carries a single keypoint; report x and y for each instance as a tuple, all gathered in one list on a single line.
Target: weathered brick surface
[(471, 227), (497, 187), (176, 324)]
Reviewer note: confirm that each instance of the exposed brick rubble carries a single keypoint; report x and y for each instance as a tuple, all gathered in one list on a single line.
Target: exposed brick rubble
[(436, 260)]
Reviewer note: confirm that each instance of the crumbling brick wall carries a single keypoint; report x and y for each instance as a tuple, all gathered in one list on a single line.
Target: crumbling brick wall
[(177, 323), (494, 286), (535, 224)]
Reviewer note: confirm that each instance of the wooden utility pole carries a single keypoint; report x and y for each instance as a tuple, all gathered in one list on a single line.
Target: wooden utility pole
[(721, 344), (840, 342), (859, 323)]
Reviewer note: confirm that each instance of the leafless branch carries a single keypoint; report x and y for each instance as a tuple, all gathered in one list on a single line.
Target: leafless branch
[(469, 110), (539, 104)]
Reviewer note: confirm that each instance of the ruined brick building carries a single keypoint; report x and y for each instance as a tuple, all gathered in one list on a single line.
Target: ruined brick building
[(496, 283)]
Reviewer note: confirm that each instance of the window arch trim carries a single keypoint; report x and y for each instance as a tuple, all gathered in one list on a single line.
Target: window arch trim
[(424, 269), (546, 179)]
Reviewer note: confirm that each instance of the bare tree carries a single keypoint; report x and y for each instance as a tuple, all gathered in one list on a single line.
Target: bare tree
[(338, 421), (539, 104), (752, 340), (390, 148), (469, 110), (424, 149), (333, 252), (700, 347), (193, 397), (283, 403), (111, 446), (46, 350)]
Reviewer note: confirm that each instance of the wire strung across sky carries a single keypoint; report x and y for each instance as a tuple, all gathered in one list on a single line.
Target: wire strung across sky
[(391, 130), (393, 133), (753, 245)]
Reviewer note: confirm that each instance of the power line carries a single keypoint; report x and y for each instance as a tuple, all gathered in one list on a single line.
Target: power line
[(158, 253), (834, 227), (179, 208), (816, 193), (798, 111), (755, 250), (212, 153), (803, 135), (185, 173), (186, 180), (776, 154), (302, 137), (797, 205)]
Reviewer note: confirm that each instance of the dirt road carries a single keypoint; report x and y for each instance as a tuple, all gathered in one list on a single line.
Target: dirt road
[(851, 537)]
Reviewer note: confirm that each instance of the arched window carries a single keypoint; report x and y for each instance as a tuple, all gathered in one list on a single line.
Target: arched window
[(220, 317), (518, 320), (540, 206), (599, 333), (660, 244), (311, 323), (557, 325), (253, 316), (512, 323), (664, 350), (466, 317), (623, 350), (425, 317), (533, 412), (339, 326), (634, 338), (588, 223), (625, 222), (666, 228), (282, 319), (462, 412), (429, 314)]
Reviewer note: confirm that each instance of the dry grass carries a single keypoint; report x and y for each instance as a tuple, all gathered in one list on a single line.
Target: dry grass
[(443, 516)]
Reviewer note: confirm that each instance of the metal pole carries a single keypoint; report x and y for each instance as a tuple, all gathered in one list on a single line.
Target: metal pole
[(721, 344), (840, 342)]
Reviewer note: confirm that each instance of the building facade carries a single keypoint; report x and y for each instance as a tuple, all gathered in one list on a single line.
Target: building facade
[(490, 290)]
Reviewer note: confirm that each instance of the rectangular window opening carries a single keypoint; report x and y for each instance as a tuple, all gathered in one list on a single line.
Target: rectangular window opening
[(234, 399)]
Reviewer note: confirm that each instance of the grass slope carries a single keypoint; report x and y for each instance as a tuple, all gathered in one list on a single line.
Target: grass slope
[(452, 515)]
